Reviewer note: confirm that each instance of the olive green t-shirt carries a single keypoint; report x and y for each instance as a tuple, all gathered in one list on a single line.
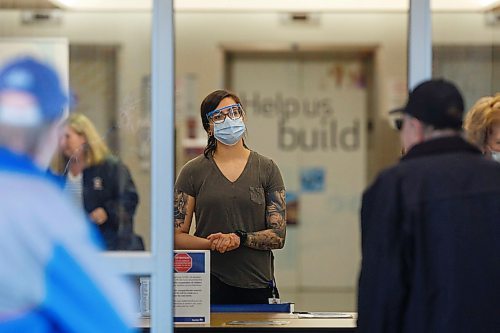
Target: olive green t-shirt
[(225, 206)]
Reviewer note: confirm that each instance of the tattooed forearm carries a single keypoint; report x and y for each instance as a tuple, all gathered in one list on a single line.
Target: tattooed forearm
[(180, 203), (276, 212), (274, 237), (264, 240)]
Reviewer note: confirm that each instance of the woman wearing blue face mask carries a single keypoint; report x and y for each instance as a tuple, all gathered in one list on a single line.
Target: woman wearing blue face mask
[(482, 126), (238, 198)]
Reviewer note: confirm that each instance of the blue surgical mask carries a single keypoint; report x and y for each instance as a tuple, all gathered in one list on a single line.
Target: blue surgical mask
[(230, 131)]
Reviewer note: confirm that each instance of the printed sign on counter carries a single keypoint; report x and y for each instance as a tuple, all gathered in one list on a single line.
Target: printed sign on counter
[(192, 287)]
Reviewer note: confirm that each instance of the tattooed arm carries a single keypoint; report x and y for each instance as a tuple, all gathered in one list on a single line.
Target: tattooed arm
[(183, 216), (274, 237)]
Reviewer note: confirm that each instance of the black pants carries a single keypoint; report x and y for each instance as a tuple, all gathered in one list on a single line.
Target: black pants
[(221, 293)]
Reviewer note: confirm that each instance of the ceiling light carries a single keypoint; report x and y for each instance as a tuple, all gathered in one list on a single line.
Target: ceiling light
[(274, 5), (103, 5)]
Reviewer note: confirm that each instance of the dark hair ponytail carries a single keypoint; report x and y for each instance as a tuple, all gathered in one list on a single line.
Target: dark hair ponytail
[(211, 145)]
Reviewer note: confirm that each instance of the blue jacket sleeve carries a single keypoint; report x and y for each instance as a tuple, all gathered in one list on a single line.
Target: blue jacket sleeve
[(74, 301)]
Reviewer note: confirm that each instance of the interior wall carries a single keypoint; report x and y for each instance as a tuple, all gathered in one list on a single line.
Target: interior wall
[(93, 82)]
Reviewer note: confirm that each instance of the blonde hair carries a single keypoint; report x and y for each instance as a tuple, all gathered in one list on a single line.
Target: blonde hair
[(481, 118), (95, 150)]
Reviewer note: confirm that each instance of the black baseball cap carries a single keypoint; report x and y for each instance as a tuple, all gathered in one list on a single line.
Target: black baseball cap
[(436, 102)]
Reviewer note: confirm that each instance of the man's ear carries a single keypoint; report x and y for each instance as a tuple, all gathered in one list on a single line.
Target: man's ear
[(418, 129)]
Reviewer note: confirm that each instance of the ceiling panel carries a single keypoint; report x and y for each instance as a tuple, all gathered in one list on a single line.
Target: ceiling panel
[(250, 5)]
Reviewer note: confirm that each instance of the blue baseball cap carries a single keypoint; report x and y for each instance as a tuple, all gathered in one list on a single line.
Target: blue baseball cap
[(39, 80)]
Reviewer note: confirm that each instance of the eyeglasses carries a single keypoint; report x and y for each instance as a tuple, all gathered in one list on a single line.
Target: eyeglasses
[(234, 111)]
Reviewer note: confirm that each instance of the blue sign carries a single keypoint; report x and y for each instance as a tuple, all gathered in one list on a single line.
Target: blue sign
[(312, 180)]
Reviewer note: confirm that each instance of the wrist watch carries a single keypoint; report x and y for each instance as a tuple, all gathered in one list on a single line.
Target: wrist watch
[(242, 235)]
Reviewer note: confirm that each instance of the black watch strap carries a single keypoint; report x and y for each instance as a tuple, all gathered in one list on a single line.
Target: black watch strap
[(242, 235)]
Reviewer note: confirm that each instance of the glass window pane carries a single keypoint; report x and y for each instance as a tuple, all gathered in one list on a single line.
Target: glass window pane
[(106, 57), (465, 51), (316, 91)]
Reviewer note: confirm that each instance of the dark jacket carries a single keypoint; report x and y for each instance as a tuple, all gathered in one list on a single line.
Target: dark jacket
[(110, 186), (431, 243)]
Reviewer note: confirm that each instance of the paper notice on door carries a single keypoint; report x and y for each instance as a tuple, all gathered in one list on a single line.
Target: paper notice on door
[(192, 287)]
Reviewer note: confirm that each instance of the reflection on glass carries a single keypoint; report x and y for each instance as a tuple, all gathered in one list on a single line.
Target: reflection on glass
[(105, 57)]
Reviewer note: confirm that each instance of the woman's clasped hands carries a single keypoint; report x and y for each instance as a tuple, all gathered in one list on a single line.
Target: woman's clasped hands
[(224, 242)]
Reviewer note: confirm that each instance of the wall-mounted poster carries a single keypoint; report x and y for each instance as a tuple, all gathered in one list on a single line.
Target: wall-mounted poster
[(312, 179)]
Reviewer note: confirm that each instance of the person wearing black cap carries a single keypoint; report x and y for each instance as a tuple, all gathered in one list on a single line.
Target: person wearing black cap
[(430, 227), (52, 278)]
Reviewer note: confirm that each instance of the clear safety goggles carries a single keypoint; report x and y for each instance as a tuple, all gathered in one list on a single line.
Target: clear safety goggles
[(234, 111)]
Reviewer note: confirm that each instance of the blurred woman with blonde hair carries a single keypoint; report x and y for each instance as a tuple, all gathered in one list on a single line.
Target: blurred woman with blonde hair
[(482, 125), (99, 183)]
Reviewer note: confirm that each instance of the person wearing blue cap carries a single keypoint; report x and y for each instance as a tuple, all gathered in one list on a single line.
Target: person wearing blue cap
[(430, 228), (51, 275)]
